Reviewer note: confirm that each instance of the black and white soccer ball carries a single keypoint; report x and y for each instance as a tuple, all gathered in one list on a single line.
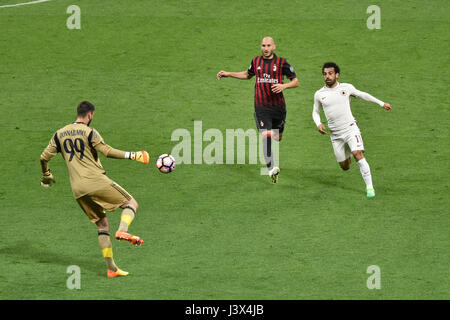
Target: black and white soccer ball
[(165, 163)]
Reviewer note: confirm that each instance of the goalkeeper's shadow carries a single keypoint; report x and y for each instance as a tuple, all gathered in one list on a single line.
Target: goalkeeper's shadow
[(24, 250)]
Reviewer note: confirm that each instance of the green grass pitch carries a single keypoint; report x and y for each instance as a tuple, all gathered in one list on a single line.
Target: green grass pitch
[(223, 231)]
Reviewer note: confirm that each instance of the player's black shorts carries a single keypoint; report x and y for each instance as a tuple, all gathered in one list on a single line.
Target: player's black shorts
[(273, 118)]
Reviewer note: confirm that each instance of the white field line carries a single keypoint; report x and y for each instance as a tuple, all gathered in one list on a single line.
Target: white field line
[(23, 3)]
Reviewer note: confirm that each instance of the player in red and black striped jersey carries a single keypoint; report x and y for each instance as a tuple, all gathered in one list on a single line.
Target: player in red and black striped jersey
[(270, 106)]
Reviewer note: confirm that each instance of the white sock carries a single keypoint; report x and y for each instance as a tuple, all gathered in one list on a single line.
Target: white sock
[(365, 172)]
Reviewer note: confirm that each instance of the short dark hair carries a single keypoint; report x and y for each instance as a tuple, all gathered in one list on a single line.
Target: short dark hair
[(331, 65), (84, 108)]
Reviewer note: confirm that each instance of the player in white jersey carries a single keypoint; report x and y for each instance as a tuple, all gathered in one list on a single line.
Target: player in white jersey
[(334, 99)]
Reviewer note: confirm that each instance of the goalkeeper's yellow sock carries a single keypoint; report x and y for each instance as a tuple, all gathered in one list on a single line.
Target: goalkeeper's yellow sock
[(126, 218), (105, 245)]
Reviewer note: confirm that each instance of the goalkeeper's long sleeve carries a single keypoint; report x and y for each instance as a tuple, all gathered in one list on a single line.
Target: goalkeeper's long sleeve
[(110, 152), (49, 152)]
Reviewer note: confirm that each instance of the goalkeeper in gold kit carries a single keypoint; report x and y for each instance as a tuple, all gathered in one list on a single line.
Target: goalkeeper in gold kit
[(79, 145)]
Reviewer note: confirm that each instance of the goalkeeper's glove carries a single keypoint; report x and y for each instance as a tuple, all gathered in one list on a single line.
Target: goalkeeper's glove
[(47, 179), (141, 156)]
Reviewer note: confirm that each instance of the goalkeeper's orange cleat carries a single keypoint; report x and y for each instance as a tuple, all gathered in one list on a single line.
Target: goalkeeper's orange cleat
[(121, 235), (118, 272)]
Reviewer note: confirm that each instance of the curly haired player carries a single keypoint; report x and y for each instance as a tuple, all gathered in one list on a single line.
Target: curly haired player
[(334, 99)]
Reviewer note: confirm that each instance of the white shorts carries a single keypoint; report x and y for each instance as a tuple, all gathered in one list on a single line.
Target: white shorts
[(346, 141)]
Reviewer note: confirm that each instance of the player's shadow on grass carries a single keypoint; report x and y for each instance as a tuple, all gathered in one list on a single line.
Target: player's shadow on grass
[(328, 179), (303, 176), (24, 250), (248, 173)]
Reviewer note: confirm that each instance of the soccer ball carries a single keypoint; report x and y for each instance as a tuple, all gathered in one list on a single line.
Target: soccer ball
[(165, 163)]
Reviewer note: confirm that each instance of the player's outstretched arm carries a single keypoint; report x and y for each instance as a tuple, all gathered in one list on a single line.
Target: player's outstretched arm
[(238, 75), (110, 152), (99, 144), (368, 97)]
